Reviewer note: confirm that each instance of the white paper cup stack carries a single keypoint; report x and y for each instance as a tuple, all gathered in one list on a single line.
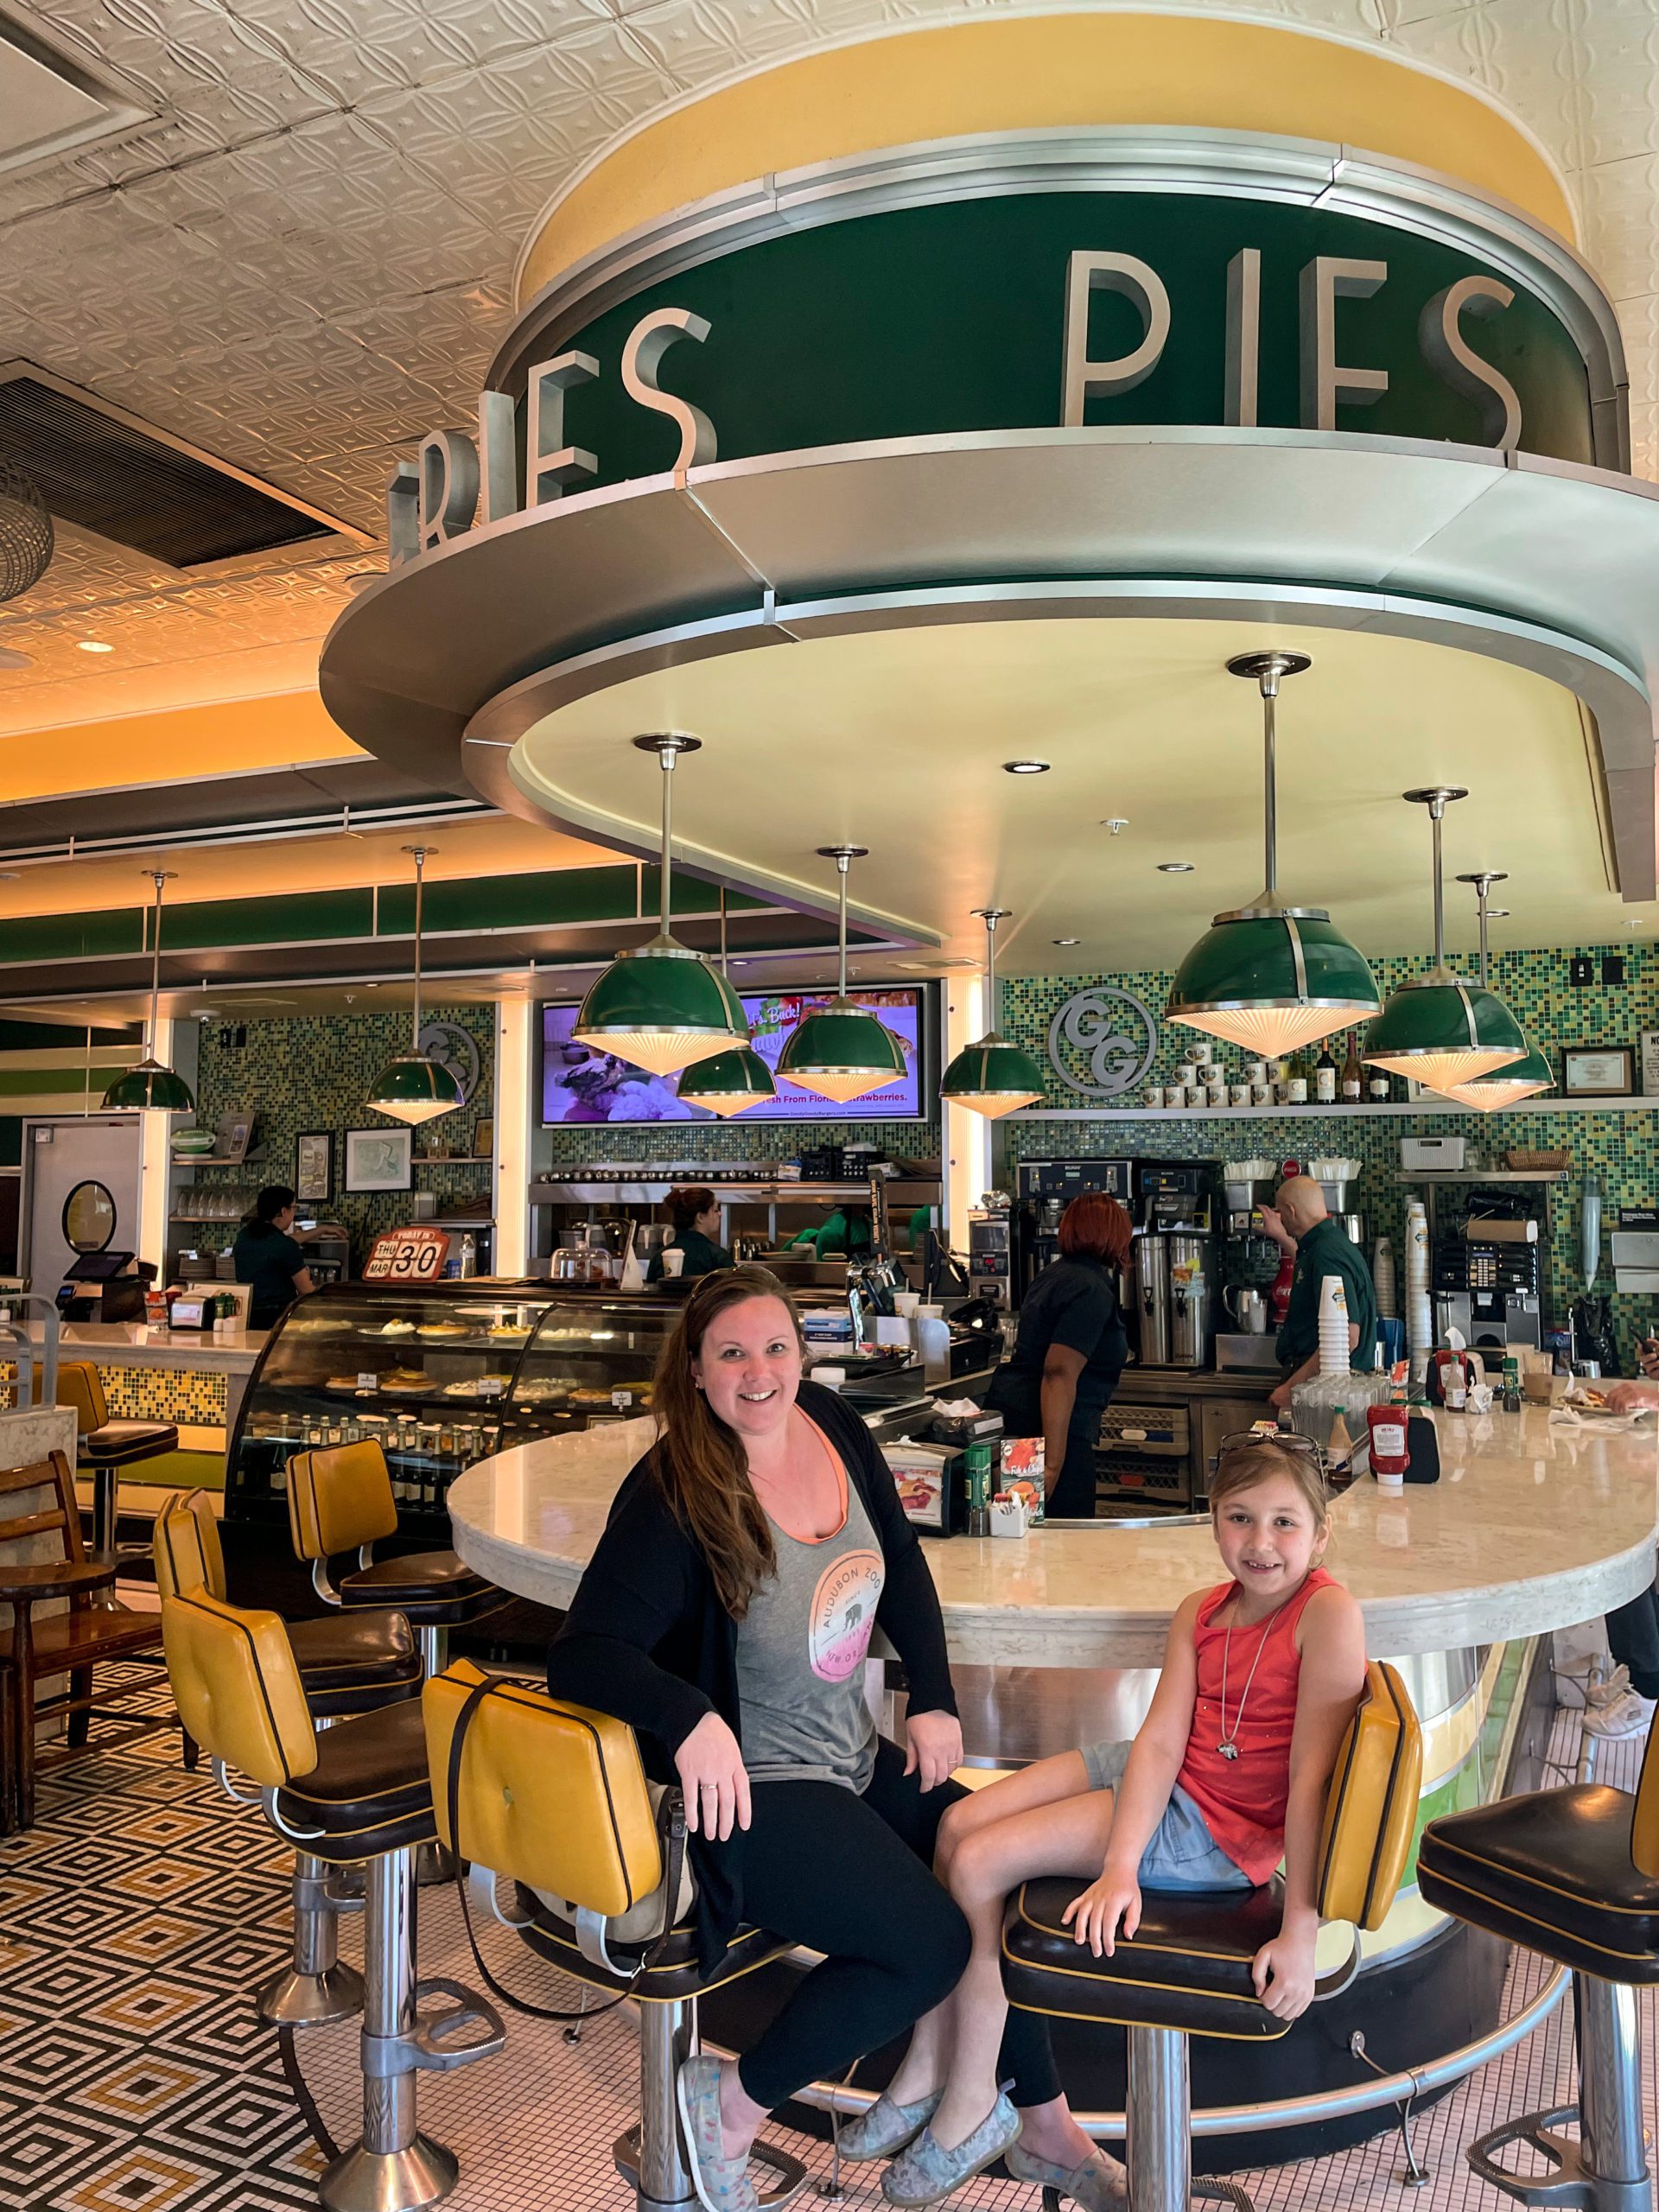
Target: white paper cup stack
[(1382, 1278), (1333, 1326)]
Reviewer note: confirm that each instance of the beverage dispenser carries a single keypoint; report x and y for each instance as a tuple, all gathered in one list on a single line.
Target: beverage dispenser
[(1172, 1308)]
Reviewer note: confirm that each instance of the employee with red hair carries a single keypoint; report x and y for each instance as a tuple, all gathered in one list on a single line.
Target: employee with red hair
[(1070, 1352)]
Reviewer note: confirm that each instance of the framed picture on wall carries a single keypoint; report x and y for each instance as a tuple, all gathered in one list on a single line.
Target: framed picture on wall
[(484, 1137), (313, 1167), (379, 1159), (1596, 1071)]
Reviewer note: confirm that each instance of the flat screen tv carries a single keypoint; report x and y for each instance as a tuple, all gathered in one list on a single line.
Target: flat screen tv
[(580, 1086)]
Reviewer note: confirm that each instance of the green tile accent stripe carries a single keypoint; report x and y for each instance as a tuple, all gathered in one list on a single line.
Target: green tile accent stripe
[(193, 1401)]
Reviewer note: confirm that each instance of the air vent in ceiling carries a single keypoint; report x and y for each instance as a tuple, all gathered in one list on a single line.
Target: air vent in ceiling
[(52, 104), (123, 478)]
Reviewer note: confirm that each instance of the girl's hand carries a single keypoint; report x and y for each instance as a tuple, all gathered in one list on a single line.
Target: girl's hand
[(934, 1746), (1113, 1899), (1283, 1975), (714, 1778)]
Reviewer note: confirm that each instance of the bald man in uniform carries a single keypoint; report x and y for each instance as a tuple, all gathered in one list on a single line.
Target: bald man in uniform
[(1323, 1248)]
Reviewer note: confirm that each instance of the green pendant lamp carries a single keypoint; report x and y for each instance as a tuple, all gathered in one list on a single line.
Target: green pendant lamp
[(1440, 1029), (992, 1077), (150, 1087), (413, 1087), (728, 1082), (1272, 976), (841, 1051), (1521, 1078), (662, 1007)]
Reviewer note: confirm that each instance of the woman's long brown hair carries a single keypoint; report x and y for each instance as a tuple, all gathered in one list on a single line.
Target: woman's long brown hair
[(699, 1464)]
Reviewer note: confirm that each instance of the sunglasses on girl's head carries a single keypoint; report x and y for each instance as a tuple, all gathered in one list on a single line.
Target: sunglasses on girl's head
[(1286, 1439)]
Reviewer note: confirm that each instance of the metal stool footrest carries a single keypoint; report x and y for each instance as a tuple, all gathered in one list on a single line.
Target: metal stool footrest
[(1212, 2192), (1569, 2182), (435, 2035), (792, 2176)]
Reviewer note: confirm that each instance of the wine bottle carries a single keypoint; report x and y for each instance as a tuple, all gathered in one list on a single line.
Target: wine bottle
[(1324, 1077), (1296, 1081), (1353, 1075), (1377, 1085)]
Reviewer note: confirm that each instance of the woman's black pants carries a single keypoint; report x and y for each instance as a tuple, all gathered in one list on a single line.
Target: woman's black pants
[(852, 1876), (1633, 1639)]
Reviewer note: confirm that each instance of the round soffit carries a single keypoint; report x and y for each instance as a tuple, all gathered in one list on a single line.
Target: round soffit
[(1042, 72)]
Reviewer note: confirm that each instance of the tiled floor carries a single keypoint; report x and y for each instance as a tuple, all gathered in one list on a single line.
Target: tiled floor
[(138, 1913)]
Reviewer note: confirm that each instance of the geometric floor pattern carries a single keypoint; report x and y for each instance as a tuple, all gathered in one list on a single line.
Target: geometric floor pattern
[(142, 1907)]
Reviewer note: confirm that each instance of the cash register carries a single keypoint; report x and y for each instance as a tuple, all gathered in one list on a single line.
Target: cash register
[(107, 1285)]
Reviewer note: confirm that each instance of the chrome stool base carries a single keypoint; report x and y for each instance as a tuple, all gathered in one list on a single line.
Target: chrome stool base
[(293, 1999), (1606, 2168), (650, 2157), (361, 2180), (1569, 2182)]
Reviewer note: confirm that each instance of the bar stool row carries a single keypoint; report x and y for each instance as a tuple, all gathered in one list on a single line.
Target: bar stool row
[(1572, 1873)]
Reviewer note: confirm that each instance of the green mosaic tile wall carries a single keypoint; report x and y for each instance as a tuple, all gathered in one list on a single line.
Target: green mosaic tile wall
[(164, 1393), (313, 1074), (1623, 1148)]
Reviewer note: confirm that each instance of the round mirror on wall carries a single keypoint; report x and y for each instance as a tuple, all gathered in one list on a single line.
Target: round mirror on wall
[(88, 1217)]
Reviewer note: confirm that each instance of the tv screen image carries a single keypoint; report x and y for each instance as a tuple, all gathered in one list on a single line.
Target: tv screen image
[(581, 1085)]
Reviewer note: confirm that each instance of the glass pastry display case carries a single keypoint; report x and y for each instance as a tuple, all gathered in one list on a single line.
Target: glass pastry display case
[(441, 1376)]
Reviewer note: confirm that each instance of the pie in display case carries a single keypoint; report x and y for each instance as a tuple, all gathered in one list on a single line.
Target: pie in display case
[(440, 1377)]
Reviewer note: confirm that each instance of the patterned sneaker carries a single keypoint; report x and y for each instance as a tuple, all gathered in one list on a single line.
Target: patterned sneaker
[(887, 2127), (1097, 2183), (1629, 1713), (723, 2183), (927, 2172)]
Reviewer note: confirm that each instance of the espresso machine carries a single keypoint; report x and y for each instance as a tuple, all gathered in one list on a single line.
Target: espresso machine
[(1171, 1307), (1044, 1189)]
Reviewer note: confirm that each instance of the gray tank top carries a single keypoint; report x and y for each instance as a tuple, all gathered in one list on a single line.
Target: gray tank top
[(801, 1649)]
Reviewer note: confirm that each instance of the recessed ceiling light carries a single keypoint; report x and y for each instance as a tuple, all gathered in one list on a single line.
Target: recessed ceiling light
[(10, 657), (1175, 868), (92, 645), (1025, 767), (1114, 823), (1068, 940)]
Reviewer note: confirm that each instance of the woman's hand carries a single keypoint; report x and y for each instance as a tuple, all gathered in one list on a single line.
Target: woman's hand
[(1283, 1973), (1113, 1899), (934, 1746), (714, 1778)]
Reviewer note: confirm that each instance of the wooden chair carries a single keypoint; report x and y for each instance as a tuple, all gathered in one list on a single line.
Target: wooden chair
[(70, 1642)]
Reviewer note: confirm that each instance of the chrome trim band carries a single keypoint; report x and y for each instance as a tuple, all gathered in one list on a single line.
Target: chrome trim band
[(1112, 158)]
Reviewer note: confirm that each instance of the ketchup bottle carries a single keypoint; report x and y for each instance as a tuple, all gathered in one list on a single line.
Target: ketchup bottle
[(1389, 1457)]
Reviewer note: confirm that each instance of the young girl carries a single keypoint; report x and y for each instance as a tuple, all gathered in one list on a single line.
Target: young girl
[(1260, 1677)]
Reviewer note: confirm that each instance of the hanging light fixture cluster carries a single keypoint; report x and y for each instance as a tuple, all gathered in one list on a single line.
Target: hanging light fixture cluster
[(728, 1082), (151, 1088), (992, 1077), (1440, 1028), (1520, 1079), (841, 1051), (413, 1087), (1273, 975), (662, 1007)]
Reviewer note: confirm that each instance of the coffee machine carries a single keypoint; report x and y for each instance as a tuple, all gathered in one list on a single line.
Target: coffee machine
[(1172, 1304), (1044, 1189)]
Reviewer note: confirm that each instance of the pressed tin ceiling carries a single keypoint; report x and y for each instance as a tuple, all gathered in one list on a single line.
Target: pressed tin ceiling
[(304, 260)]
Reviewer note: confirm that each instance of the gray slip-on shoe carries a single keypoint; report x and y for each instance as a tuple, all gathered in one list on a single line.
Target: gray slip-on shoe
[(723, 2183), (1097, 2183), (927, 2172), (886, 2128)]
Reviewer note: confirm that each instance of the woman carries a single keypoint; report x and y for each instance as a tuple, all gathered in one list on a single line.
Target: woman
[(696, 1214), (725, 1615), (265, 1255), (1069, 1353)]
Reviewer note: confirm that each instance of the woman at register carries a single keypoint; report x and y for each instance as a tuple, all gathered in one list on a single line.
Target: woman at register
[(1060, 1376)]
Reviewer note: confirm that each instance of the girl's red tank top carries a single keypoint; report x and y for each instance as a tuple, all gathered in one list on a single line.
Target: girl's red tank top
[(1243, 1800)]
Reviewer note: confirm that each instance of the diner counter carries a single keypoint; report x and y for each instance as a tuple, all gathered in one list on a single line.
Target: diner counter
[(134, 1344), (1532, 1525)]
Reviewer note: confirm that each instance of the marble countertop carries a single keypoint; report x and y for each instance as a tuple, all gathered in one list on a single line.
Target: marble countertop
[(1531, 1527), (133, 1344)]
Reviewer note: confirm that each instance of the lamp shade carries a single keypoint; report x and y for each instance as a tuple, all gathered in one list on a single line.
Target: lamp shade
[(842, 1053), (1440, 1030), (1507, 1087), (728, 1083), (149, 1089), (662, 1007), (993, 1077), (1272, 979), (414, 1089)]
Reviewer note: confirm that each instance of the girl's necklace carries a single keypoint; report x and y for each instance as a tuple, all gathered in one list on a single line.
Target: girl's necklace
[(1228, 1746)]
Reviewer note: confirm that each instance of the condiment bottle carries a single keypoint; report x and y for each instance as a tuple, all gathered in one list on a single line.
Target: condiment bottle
[(1511, 1384), (978, 1456), (1389, 1457), (1339, 1447)]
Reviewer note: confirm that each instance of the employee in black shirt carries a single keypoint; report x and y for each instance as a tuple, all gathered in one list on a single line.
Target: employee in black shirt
[(1070, 1352), (1323, 1248), (265, 1255), (694, 1211)]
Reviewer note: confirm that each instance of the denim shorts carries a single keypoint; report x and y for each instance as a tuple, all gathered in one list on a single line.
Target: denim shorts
[(1182, 1855)]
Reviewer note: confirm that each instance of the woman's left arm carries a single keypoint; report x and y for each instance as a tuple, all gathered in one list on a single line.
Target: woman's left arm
[(1332, 1637)]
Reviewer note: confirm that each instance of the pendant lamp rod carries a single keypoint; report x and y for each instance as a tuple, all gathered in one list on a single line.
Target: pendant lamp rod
[(1436, 797), (420, 854), (1483, 878), (668, 745), (1266, 671), (841, 855), (158, 876), (991, 916)]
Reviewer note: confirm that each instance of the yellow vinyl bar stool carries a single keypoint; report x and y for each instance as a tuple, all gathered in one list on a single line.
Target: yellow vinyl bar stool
[(358, 1793), (103, 1447), (1187, 1971), (1573, 1875), (340, 1500), (349, 1664), (554, 1798)]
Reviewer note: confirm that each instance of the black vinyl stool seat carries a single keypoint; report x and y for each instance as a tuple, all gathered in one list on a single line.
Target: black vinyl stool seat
[(358, 1792), (348, 1664), (1573, 1875), (435, 1589), (673, 1975), (121, 1443), (1186, 1970)]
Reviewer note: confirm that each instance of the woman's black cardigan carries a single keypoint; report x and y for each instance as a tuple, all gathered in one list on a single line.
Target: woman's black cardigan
[(648, 1639)]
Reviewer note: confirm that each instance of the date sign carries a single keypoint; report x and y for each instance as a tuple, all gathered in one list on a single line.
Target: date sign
[(407, 1256)]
